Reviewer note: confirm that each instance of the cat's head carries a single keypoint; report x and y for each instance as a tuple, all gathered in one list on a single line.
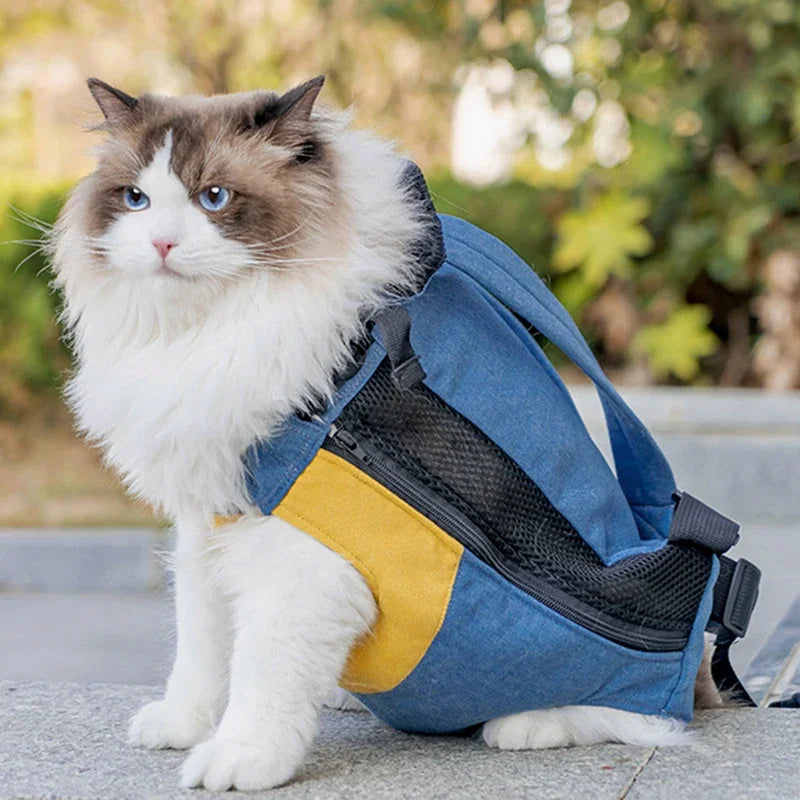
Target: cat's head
[(193, 189)]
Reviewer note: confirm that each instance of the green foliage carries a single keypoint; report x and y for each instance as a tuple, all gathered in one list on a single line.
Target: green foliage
[(31, 353), (513, 212), (601, 240), (667, 229), (675, 347)]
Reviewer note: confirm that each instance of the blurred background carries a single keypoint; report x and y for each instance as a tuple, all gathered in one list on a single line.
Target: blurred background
[(643, 156)]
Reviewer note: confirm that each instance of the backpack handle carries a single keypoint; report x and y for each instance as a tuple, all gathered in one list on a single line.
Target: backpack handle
[(642, 470)]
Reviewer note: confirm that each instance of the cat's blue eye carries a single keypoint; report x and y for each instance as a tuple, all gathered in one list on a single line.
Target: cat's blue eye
[(215, 198), (135, 199)]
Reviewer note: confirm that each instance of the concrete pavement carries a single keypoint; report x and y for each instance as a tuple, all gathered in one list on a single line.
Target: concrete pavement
[(68, 741)]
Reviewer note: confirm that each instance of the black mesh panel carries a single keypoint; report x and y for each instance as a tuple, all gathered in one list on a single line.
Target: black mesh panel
[(445, 452)]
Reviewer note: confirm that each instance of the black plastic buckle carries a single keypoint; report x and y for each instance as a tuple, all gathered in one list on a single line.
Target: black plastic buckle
[(409, 373), (742, 597)]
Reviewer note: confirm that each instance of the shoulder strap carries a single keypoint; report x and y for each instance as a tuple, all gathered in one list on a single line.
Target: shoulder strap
[(642, 470)]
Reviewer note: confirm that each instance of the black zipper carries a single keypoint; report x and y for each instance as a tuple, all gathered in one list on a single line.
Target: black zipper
[(391, 475)]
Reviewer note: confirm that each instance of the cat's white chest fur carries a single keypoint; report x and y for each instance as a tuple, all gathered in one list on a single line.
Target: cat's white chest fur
[(174, 415), (172, 422)]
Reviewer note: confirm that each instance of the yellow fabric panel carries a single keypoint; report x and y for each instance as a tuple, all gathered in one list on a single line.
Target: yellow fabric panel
[(408, 562)]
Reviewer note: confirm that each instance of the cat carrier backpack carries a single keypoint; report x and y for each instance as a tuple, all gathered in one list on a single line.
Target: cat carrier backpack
[(512, 569)]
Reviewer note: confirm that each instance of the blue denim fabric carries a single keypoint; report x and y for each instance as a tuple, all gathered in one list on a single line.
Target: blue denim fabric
[(500, 652), (507, 388)]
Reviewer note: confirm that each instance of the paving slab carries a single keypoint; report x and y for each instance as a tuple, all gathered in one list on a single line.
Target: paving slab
[(68, 741), (738, 755)]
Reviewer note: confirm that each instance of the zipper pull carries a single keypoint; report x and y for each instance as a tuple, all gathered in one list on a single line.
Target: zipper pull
[(348, 442)]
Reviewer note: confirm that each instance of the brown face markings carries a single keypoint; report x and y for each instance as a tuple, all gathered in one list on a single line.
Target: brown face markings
[(275, 162)]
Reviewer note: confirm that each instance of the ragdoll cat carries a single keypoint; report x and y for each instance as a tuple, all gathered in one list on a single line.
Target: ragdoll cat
[(216, 267)]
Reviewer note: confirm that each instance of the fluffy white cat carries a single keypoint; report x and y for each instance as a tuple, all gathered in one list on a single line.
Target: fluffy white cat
[(216, 267)]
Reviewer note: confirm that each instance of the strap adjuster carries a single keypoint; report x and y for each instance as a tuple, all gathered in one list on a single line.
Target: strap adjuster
[(409, 373), (394, 324), (699, 524), (742, 596)]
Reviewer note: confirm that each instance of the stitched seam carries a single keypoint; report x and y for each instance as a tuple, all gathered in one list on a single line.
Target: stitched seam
[(646, 522), (651, 656), (677, 683), (439, 624)]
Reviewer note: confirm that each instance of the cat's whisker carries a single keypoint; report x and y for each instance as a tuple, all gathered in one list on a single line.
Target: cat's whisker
[(265, 248), (26, 242), (30, 221), (29, 216), (26, 259), (267, 259)]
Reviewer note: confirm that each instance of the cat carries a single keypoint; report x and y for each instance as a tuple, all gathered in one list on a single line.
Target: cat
[(216, 267)]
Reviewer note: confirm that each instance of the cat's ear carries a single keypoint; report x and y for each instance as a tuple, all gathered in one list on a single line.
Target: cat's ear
[(114, 103), (285, 118), (297, 104)]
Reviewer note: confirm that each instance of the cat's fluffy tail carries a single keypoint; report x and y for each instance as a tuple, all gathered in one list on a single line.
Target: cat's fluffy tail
[(581, 725)]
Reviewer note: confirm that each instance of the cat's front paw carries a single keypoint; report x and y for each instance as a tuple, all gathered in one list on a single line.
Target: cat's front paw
[(222, 764), (165, 724)]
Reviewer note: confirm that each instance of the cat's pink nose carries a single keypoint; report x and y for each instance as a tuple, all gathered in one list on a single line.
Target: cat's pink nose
[(163, 246)]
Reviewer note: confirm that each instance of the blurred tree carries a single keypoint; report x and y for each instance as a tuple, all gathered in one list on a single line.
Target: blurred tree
[(649, 158)]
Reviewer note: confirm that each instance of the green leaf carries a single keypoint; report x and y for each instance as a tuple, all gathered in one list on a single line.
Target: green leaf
[(675, 347), (602, 239), (655, 152)]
